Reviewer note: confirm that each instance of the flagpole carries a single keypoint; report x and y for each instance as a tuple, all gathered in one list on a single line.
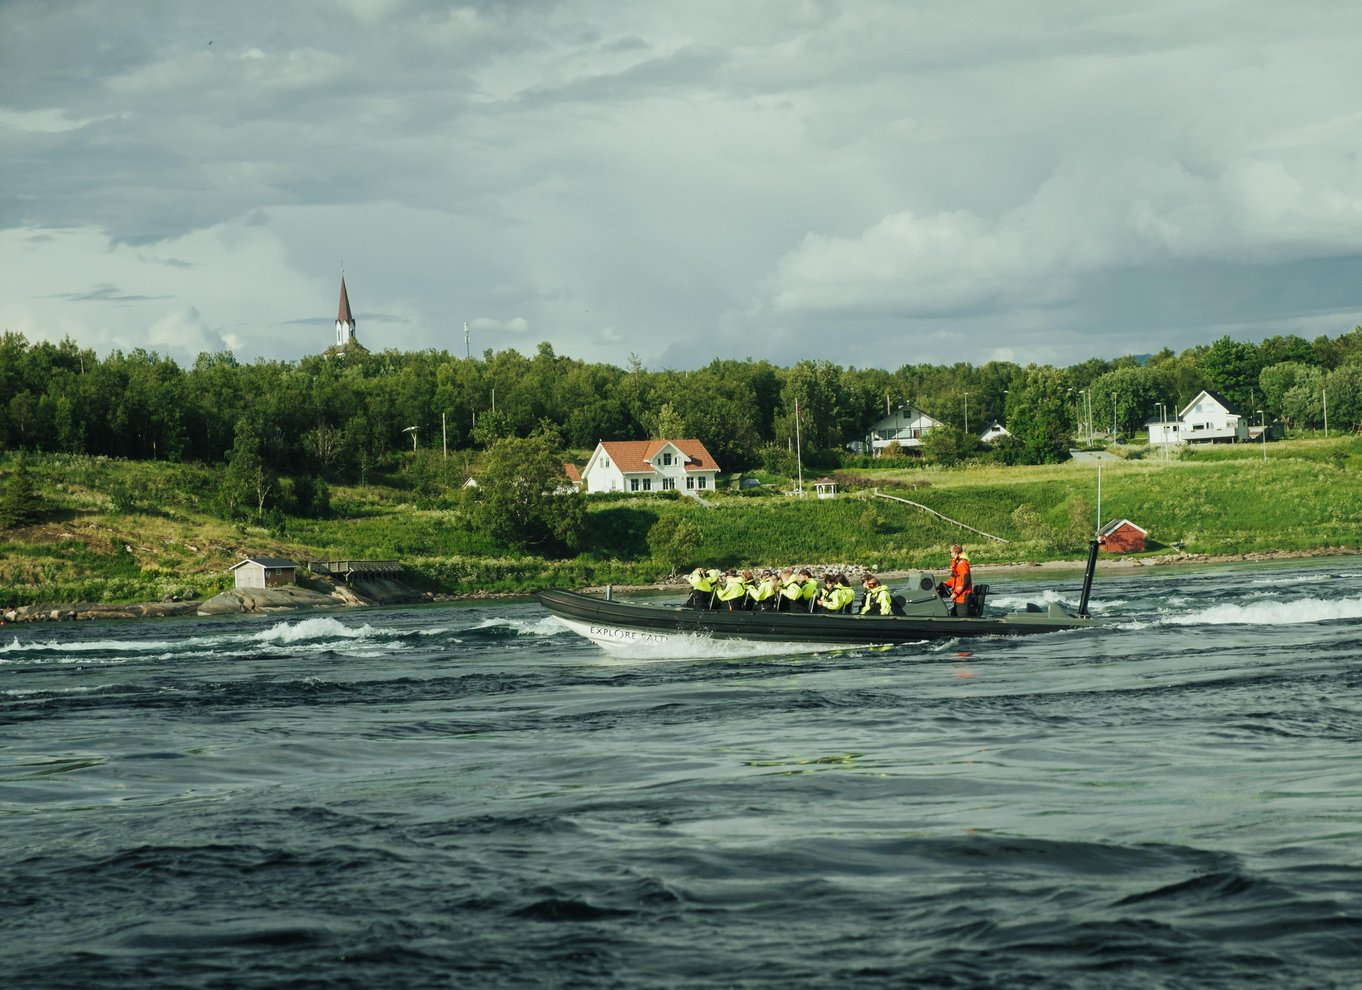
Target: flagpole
[(799, 459)]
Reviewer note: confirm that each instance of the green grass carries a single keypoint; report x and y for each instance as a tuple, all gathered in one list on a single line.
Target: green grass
[(1307, 495)]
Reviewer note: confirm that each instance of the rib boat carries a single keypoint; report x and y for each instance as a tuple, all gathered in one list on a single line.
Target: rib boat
[(920, 614)]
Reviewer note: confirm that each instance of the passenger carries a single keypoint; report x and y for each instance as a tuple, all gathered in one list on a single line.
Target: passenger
[(788, 597), (957, 587), (808, 590), (749, 582), (733, 592), (701, 589), (878, 598), (837, 595), (764, 594)]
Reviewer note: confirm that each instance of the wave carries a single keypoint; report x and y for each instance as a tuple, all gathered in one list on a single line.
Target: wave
[(546, 626), (1306, 610), (316, 628)]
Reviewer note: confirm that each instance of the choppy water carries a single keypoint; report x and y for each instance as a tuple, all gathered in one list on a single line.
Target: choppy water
[(472, 796)]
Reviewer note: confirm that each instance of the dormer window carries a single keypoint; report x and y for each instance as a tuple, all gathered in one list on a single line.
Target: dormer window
[(667, 459)]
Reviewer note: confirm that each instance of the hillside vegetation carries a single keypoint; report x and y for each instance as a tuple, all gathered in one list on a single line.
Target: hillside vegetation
[(117, 531)]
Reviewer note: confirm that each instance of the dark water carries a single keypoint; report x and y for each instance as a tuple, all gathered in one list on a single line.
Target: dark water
[(471, 796)]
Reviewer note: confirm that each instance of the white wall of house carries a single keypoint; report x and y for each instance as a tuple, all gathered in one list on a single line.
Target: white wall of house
[(1203, 420), (906, 424), (665, 471)]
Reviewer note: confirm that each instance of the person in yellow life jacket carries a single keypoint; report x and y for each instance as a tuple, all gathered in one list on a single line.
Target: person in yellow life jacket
[(733, 593), (808, 590), (878, 598), (788, 596), (764, 593), (960, 583), (837, 594), (701, 589)]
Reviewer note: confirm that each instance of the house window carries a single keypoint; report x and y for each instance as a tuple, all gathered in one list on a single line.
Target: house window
[(647, 484), (633, 484), (702, 481), (605, 461), (690, 483), (667, 458), (668, 484)]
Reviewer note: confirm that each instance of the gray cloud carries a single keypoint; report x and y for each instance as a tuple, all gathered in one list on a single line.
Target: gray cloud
[(871, 183)]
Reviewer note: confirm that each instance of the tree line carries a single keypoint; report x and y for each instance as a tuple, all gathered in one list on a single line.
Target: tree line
[(340, 416)]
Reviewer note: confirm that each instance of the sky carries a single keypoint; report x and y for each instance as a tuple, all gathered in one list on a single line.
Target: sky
[(869, 183)]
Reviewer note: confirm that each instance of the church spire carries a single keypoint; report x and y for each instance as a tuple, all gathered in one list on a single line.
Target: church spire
[(345, 320)]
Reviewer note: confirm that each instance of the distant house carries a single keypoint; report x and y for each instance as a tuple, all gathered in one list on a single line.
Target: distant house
[(264, 572), (1123, 536), (649, 466), (906, 424), (996, 431), (574, 477), (1209, 418)]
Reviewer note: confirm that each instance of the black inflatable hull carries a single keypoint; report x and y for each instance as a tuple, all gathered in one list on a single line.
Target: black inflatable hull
[(617, 623)]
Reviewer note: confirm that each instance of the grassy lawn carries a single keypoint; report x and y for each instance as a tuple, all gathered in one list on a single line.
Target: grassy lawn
[(127, 531)]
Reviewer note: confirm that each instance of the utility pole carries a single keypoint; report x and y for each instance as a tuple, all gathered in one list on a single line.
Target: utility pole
[(465, 339)]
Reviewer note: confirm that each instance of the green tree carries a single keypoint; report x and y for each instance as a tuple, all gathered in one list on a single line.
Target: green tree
[(667, 424), (248, 482), (948, 445), (1231, 368), (675, 542), (521, 498), (20, 504), (1039, 417)]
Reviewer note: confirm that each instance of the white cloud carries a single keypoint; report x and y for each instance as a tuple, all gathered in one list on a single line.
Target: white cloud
[(771, 179)]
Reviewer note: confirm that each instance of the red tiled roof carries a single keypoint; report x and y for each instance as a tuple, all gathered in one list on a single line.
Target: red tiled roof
[(633, 456), (572, 473)]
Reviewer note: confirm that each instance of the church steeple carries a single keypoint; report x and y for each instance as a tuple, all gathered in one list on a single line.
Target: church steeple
[(345, 320)]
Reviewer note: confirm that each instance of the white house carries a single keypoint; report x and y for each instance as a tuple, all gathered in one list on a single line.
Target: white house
[(995, 431), (1209, 418), (906, 424), (649, 466), (264, 572)]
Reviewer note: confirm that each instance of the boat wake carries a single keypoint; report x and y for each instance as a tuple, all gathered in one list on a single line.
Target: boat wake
[(1305, 610)]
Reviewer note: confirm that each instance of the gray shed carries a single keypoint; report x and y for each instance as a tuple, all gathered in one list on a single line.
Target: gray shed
[(264, 572)]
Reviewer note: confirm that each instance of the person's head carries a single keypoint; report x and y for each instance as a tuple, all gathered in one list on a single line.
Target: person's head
[(956, 549), (804, 573), (871, 582), (747, 575), (786, 573)]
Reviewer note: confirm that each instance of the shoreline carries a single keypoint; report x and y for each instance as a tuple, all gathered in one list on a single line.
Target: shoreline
[(297, 598)]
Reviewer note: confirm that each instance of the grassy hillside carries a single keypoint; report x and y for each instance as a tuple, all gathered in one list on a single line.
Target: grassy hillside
[(130, 531)]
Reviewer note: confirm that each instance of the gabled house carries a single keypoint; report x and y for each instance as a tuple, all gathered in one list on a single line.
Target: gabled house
[(264, 572), (1209, 418), (1123, 536), (995, 431), (649, 466), (906, 424)]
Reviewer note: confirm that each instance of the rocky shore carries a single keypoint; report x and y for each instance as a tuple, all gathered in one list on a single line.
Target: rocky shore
[(321, 593)]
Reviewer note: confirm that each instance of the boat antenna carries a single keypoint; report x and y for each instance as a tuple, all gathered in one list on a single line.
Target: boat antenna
[(1093, 544)]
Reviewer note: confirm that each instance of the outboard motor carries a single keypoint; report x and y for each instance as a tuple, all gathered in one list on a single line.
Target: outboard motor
[(977, 596)]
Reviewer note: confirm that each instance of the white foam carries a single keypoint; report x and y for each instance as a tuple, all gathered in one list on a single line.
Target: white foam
[(1270, 613), (546, 626), (316, 628)]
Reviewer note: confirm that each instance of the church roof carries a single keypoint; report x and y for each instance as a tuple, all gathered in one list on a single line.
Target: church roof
[(344, 315)]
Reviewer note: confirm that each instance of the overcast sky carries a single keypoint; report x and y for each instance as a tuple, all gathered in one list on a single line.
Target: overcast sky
[(874, 183)]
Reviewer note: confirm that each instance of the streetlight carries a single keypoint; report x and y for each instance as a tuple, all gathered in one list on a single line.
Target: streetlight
[(412, 431), (1263, 431), (966, 412)]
